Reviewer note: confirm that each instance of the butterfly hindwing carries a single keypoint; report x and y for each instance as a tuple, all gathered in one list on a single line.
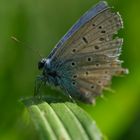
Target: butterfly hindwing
[(80, 89), (89, 74)]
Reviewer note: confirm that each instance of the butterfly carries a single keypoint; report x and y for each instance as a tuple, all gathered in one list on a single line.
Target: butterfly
[(84, 61)]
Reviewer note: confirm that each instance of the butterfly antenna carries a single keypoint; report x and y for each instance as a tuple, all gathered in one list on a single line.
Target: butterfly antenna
[(23, 45)]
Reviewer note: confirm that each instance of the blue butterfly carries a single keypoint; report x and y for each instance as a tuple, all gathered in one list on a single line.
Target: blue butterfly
[(84, 61)]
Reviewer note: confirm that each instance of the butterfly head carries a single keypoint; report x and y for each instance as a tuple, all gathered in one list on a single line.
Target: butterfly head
[(42, 63), (48, 75)]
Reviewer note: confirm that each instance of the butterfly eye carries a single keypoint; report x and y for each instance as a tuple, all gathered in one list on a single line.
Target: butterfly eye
[(41, 64)]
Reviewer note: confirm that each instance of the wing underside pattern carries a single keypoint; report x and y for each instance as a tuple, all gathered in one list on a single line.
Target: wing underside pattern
[(87, 57)]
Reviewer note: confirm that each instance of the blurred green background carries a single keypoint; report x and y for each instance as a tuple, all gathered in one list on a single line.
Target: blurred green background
[(40, 24)]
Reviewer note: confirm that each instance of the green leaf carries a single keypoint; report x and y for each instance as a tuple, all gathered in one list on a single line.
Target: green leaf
[(61, 120)]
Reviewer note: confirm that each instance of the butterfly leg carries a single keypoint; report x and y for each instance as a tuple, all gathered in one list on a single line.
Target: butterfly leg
[(71, 99), (38, 83), (69, 96)]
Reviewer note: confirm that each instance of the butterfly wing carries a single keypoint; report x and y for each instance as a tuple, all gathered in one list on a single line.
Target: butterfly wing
[(88, 55), (86, 75), (81, 22)]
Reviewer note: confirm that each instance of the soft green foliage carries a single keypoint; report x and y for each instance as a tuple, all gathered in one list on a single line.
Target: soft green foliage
[(57, 121), (40, 24)]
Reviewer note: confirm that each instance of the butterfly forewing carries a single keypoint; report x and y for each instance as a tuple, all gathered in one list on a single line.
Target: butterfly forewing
[(77, 27)]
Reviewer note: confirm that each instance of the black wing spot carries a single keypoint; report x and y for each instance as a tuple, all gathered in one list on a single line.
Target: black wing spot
[(93, 25), (96, 47), (74, 50), (74, 83), (74, 76), (97, 64), (101, 39), (89, 59), (103, 31), (73, 63), (87, 72), (92, 87), (85, 40), (106, 72), (100, 27)]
